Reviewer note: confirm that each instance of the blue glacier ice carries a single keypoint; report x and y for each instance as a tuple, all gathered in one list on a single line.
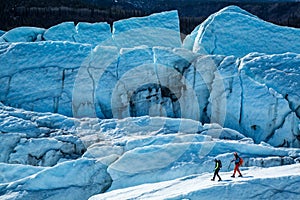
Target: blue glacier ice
[(106, 82), (135, 114), (23, 34), (61, 32), (57, 62), (78, 158), (160, 29), (93, 33), (2, 32), (232, 31)]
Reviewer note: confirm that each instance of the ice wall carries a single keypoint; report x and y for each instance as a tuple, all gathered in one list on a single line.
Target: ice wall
[(233, 31), (159, 29), (256, 94)]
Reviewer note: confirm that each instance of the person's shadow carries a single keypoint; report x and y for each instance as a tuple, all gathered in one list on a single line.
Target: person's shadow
[(229, 180), (246, 177)]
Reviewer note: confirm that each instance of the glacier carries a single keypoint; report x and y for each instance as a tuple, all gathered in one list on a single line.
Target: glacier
[(47, 155), (233, 31), (23, 34), (133, 112), (193, 187), (108, 82), (126, 33)]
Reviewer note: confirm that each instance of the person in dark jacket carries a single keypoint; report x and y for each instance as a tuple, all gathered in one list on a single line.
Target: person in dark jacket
[(218, 165), (237, 163)]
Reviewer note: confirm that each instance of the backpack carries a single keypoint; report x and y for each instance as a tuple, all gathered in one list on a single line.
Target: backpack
[(241, 161), (220, 163)]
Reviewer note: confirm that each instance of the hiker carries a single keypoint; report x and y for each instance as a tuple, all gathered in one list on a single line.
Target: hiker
[(238, 162), (218, 165)]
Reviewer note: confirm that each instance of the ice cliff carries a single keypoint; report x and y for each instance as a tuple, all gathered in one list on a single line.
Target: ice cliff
[(119, 78), (233, 31)]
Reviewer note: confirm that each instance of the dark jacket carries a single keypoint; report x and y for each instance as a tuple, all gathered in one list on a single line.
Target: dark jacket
[(218, 164)]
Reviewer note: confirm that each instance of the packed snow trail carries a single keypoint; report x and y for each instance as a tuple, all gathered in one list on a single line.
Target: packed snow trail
[(256, 183)]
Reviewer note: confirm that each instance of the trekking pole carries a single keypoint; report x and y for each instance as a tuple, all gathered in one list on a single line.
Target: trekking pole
[(229, 165)]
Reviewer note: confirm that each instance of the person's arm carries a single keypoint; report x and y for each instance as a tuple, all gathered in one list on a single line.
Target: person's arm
[(217, 165)]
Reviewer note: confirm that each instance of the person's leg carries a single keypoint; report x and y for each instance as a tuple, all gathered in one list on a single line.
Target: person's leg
[(218, 174), (214, 175), (238, 170), (235, 169)]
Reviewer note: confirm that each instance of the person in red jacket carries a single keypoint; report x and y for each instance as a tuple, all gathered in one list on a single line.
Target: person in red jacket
[(237, 162)]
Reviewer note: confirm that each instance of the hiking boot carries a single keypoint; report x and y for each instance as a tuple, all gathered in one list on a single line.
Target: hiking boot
[(232, 176), (212, 179), (240, 175), (220, 180)]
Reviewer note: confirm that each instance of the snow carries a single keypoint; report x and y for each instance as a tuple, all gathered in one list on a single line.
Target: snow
[(232, 31), (261, 183), (134, 115), (153, 158)]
